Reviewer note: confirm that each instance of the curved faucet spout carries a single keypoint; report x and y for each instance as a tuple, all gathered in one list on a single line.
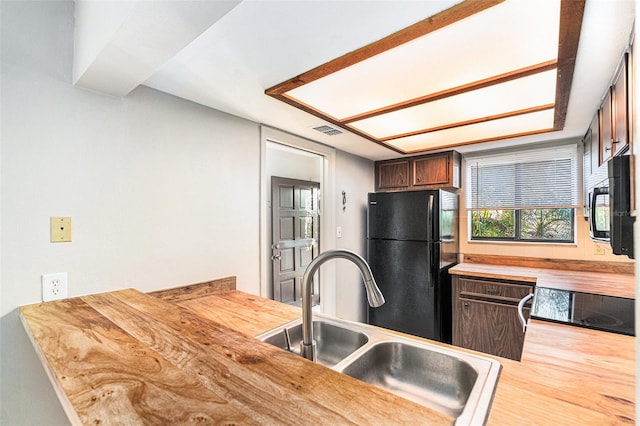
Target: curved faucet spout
[(374, 295)]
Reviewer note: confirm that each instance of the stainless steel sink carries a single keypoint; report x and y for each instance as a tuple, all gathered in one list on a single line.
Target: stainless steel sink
[(434, 379), (333, 343), (443, 378)]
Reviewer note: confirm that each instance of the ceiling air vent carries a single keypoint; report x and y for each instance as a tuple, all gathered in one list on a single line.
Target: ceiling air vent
[(327, 130)]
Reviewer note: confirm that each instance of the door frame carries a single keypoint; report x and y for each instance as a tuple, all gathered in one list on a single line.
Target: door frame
[(327, 211)]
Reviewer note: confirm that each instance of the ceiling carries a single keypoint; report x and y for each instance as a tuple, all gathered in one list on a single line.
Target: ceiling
[(226, 54)]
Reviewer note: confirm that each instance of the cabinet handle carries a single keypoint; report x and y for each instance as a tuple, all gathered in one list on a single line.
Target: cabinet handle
[(520, 313), (466, 305), (419, 179)]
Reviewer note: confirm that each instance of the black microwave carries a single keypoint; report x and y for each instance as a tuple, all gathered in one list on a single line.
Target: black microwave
[(610, 218)]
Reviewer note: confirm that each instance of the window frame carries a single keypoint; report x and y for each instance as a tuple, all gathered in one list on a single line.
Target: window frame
[(532, 155)]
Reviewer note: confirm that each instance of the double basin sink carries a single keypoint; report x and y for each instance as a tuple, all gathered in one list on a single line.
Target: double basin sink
[(452, 382)]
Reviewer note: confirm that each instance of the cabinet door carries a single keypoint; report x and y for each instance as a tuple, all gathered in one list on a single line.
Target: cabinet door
[(606, 129), (394, 174), (620, 109), (594, 130), (432, 170), (587, 170), (490, 328)]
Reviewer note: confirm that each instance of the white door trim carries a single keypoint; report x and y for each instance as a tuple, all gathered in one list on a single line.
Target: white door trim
[(327, 211)]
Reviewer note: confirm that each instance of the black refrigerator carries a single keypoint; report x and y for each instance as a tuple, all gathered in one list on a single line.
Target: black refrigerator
[(411, 245)]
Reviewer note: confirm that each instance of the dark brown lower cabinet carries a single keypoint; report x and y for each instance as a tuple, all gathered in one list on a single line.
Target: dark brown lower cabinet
[(485, 315)]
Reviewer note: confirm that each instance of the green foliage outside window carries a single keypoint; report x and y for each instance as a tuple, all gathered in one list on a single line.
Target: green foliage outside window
[(493, 223), (552, 225)]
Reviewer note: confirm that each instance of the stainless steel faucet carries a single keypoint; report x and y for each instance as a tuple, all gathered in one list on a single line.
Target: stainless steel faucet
[(374, 296)]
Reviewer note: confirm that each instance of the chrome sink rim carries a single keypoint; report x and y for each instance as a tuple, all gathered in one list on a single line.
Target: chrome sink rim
[(480, 399)]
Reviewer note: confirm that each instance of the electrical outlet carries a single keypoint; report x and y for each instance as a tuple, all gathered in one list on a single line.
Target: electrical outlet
[(598, 249), (54, 286)]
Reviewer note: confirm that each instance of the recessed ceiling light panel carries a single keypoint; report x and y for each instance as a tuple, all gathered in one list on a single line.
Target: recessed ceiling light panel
[(521, 125), (536, 91), (504, 38), (464, 67)]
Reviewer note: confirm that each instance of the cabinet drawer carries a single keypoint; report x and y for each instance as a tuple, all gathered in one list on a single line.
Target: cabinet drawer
[(493, 289)]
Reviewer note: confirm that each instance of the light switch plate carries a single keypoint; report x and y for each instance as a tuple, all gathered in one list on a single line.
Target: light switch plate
[(60, 229)]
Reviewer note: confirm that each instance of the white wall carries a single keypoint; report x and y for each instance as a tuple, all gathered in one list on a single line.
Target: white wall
[(355, 176), (291, 163), (162, 192)]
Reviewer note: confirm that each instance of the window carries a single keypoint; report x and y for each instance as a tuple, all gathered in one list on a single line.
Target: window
[(525, 195)]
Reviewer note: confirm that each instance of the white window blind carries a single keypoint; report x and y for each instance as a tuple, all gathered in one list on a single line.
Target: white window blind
[(528, 179)]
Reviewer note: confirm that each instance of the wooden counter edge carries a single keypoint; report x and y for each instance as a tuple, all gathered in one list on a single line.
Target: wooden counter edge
[(67, 407), (471, 272), (626, 268), (194, 291)]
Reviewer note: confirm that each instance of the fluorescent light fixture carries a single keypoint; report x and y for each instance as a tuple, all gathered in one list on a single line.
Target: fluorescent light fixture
[(490, 67)]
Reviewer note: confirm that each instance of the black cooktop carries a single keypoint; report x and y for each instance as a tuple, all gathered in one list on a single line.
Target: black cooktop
[(607, 313)]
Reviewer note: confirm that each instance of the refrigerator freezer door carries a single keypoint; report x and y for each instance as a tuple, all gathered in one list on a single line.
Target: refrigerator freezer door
[(403, 216), (401, 269)]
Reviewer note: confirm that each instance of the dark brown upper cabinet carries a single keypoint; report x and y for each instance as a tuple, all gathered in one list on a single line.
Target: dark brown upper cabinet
[(392, 175), (441, 170), (614, 115), (606, 129), (432, 170), (620, 108), (593, 140)]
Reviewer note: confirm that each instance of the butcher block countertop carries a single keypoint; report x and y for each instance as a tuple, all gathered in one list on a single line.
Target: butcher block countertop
[(188, 356), (562, 275)]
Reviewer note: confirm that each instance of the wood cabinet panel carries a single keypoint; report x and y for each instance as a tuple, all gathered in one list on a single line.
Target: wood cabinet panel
[(485, 315), (606, 129), (393, 174), (431, 171), (594, 143), (491, 328), (620, 112), (614, 115), (493, 288)]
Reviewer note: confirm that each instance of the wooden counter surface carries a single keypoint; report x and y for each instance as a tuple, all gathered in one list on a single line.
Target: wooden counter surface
[(620, 285), (127, 358), (130, 358)]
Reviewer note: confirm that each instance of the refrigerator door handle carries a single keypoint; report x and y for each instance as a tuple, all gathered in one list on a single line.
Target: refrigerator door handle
[(430, 240), (430, 219), (430, 268)]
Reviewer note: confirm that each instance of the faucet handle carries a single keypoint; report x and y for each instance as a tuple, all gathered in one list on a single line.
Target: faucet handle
[(308, 351), (287, 339)]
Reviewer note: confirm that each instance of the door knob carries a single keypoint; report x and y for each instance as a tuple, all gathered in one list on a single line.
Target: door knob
[(275, 257)]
